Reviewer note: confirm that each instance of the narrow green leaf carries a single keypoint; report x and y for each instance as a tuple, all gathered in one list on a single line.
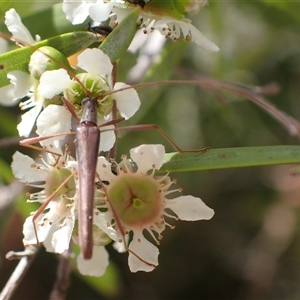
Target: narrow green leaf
[(231, 158), (119, 40), (68, 44)]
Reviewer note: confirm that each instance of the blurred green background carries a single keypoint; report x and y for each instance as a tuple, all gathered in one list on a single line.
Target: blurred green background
[(251, 247)]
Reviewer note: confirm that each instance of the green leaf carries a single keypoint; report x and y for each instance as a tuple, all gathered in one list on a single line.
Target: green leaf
[(231, 158), (68, 44), (119, 40)]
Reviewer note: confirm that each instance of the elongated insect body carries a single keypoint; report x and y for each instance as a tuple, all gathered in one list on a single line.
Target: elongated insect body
[(87, 148)]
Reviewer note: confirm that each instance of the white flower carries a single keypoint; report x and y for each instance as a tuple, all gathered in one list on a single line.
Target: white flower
[(53, 120), (22, 84), (17, 28), (139, 201), (167, 20), (77, 11), (56, 224), (96, 82), (95, 266), (173, 28)]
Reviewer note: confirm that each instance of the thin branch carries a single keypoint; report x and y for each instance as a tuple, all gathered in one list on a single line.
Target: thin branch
[(254, 94), (26, 258), (250, 93), (113, 151), (62, 282)]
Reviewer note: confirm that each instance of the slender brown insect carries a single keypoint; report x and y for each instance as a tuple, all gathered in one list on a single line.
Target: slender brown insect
[(87, 149)]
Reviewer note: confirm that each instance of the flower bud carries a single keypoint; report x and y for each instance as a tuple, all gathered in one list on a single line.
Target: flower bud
[(45, 59)]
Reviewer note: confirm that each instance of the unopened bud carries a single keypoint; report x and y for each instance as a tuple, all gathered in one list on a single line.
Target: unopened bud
[(45, 59)]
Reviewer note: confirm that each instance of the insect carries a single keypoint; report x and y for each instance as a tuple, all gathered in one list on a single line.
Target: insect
[(99, 28), (87, 148)]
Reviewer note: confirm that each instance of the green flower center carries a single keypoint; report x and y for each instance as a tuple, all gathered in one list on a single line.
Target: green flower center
[(55, 178), (96, 86), (136, 199)]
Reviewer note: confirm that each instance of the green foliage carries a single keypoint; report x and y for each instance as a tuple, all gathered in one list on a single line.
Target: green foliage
[(68, 44), (230, 158), (116, 44)]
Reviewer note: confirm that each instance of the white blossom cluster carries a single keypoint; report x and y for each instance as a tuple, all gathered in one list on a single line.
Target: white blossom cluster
[(129, 198)]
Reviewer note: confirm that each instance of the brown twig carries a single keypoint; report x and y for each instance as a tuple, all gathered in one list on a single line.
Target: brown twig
[(113, 151), (253, 93), (26, 257), (62, 282), (250, 93)]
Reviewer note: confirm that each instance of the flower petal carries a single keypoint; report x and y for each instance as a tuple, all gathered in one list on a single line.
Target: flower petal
[(28, 120), (128, 101), (22, 82), (61, 237), (29, 233), (17, 28), (201, 40), (145, 250), (107, 138), (189, 208), (22, 167), (101, 11), (188, 31), (95, 266), (119, 246), (104, 169), (148, 157), (52, 83), (77, 11), (8, 96), (95, 62), (101, 222), (54, 119), (47, 242)]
